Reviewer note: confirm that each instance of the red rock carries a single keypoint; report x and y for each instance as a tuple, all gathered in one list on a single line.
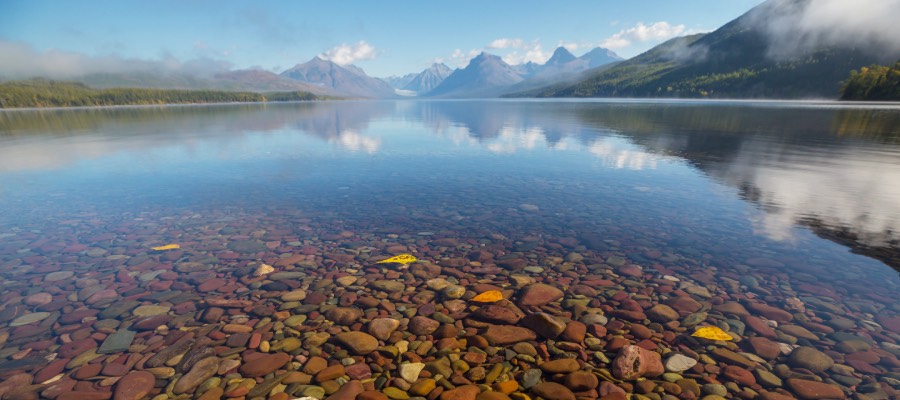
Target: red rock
[(498, 314), (629, 315), (574, 332), (344, 315), (348, 391), (503, 334), (331, 372), (38, 299), (84, 395), (662, 313), (684, 304), (151, 323), (763, 347), (732, 307), (640, 332), (633, 362), (135, 385), (739, 375), (759, 326), (14, 382), (864, 367), (264, 365), (88, 371), (371, 395), (889, 322), (773, 313), (53, 390), (811, 390), (551, 391), (115, 369), (465, 392), (539, 294), (358, 371), (869, 357), (55, 367), (774, 396), (76, 316), (101, 297), (422, 326), (314, 364), (581, 380), (560, 366), (76, 347), (210, 285)]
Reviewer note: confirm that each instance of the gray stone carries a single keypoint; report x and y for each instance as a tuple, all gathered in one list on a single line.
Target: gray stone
[(530, 378), (811, 359), (117, 342), (679, 363)]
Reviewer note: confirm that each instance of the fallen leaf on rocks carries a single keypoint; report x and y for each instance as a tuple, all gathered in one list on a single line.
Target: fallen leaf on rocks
[(490, 296), (712, 333), (172, 246), (400, 259)]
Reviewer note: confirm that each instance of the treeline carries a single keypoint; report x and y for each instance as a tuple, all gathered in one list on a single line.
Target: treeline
[(48, 93), (876, 82)]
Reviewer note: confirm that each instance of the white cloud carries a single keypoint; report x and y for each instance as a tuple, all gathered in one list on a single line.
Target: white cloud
[(657, 31), (505, 43), (23, 61), (348, 54), (535, 53), (459, 58), (794, 27)]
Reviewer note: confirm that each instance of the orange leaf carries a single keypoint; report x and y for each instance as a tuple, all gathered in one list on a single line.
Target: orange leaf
[(712, 333), (490, 296), (166, 247), (401, 259)]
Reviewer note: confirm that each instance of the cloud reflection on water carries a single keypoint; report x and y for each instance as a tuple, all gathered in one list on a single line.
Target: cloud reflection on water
[(829, 167)]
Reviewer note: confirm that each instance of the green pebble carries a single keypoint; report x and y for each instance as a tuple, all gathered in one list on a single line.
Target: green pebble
[(493, 374), (671, 377), (313, 391), (714, 389), (395, 393)]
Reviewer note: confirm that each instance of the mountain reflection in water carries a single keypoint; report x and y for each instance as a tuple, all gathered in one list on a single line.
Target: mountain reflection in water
[(832, 168)]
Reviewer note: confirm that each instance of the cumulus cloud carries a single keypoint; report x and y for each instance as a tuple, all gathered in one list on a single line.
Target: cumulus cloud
[(505, 43), (534, 53), (23, 61), (350, 53), (657, 31), (796, 26), (459, 58)]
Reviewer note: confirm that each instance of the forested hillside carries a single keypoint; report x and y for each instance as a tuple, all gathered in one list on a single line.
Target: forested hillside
[(876, 82), (48, 93)]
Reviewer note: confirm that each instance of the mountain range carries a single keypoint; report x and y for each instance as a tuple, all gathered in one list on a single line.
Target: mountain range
[(741, 59)]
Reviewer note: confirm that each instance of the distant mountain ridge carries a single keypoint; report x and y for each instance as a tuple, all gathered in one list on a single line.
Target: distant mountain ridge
[(734, 61), (428, 79), (485, 76), (348, 80)]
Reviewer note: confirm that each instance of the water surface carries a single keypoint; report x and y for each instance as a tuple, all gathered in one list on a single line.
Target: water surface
[(748, 202)]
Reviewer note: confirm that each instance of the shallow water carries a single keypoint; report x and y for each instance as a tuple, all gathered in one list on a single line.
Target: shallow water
[(794, 205)]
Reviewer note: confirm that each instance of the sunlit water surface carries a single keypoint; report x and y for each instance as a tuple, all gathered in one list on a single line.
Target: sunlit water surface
[(796, 195)]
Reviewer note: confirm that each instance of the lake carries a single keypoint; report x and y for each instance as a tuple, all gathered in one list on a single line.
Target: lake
[(613, 230)]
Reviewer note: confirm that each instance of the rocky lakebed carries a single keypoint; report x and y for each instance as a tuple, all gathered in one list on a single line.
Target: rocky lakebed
[(281, 305)]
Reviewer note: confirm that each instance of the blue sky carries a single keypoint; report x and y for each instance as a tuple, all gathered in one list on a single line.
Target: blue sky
[(384, 37)]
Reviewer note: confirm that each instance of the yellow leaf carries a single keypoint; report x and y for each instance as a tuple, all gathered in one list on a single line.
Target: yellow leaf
[(401, 259), (712, 333), (167, 247), (490, 296)]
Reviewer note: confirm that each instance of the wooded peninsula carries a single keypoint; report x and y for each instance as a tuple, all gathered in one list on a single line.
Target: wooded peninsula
[(37, 93)]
